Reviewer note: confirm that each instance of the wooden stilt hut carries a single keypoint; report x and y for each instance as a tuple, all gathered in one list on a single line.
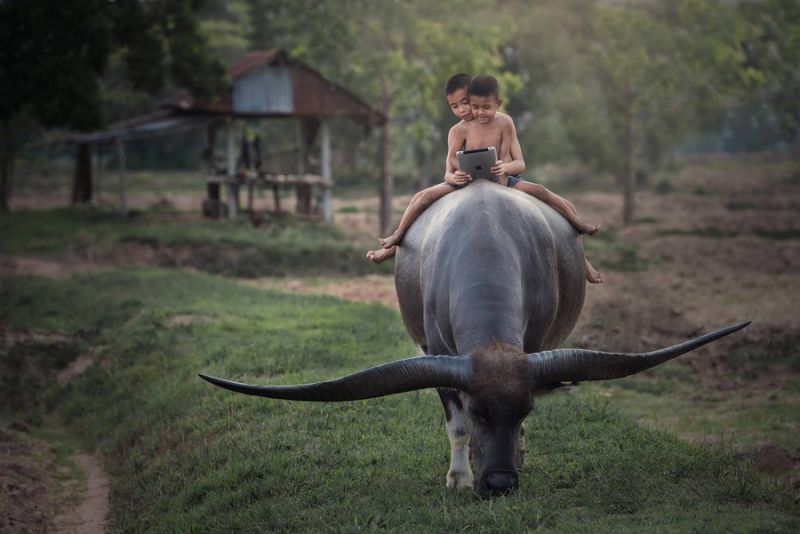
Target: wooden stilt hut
[(264, 85)]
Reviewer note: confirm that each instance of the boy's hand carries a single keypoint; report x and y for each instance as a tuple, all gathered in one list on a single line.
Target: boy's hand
[(458, 178), (498, 169)]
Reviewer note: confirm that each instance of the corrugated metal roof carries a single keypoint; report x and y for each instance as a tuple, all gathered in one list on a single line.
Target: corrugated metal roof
[(312, 94), (140, 127), (264, 90), (255, 59)]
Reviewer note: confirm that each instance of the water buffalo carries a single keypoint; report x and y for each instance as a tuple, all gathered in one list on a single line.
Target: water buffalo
[(489, 282)]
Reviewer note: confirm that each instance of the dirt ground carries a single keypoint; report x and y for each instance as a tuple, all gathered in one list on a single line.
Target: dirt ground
[(27, 488), (721, 246)]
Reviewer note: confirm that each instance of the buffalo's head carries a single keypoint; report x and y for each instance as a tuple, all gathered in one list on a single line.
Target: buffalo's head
[(496, 388)]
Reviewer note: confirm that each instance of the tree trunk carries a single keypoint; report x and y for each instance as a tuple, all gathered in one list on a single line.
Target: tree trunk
[(387, 180), (7, 154), (426, 169), (82, 178), (5, 182), (630, 171)]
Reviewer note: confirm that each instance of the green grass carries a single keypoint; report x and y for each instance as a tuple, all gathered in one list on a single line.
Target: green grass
[(729, 418), (283, 247), (185, 456), (46, 177), (664, 187), (793, 178), (779, 234), (741, 205), (673, 397)]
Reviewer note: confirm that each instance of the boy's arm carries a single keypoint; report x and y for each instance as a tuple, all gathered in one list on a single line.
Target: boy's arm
[(517, 164), (455, 141)]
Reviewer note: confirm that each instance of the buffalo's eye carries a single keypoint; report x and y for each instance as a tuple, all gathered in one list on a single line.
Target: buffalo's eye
[(479, 416)]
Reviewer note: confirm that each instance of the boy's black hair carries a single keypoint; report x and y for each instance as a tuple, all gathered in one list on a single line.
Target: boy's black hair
[(484, 85), (459, 81)]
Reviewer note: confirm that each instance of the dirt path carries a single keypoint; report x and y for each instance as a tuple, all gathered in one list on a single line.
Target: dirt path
[(371, 289), (88, 516)]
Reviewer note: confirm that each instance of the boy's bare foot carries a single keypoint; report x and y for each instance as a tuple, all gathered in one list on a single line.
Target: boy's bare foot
[(593, 275), (381, 254), (586, 228), (392, 240)]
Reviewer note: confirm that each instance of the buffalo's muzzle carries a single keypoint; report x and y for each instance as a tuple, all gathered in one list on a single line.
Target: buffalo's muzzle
[(498, 482)]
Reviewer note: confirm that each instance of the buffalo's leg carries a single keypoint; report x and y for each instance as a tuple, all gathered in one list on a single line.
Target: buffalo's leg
[(459, 476)]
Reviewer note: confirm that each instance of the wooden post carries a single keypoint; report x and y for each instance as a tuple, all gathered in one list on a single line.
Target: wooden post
[(387, 180), (276, 196), (98, 165), (301, 148), (123, 201), (233, 190), (306, 130), (208, 151), (630, 160), (82, 178), (426, 169), (327, 199)]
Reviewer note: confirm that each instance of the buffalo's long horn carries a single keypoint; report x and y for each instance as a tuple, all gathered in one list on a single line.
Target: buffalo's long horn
[(576, 365), (396, 377)]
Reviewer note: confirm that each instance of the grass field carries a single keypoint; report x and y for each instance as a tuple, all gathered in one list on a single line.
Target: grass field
[(100, 347), (280, 247), (186, 456)]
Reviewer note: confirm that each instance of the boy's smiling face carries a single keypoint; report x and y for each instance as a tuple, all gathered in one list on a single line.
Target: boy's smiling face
[(459, 104), (484, 108)]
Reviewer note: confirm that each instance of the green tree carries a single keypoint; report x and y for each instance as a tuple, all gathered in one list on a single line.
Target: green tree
[(227, 25), (623, 83), (665, 69), (53, 55), (774, 50)]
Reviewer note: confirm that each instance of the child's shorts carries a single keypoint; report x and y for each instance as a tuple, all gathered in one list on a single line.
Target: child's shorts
[(512, 181)]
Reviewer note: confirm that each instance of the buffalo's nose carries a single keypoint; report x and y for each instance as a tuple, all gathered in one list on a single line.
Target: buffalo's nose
[(500, 482)]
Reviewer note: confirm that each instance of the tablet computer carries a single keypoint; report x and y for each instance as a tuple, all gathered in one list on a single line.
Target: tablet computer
[(477, 163)]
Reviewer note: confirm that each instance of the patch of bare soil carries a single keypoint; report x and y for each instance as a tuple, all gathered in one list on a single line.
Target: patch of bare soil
[(89, 259), (773, 459), (58, 268), (10, 337), (724, 247), (710, 266), (184, 319), (89, 516), (37, 494), (26, 500), (75, 369), (371, 289)]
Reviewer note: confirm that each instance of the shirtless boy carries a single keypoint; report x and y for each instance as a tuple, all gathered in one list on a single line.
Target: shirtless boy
[(477, 104)]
